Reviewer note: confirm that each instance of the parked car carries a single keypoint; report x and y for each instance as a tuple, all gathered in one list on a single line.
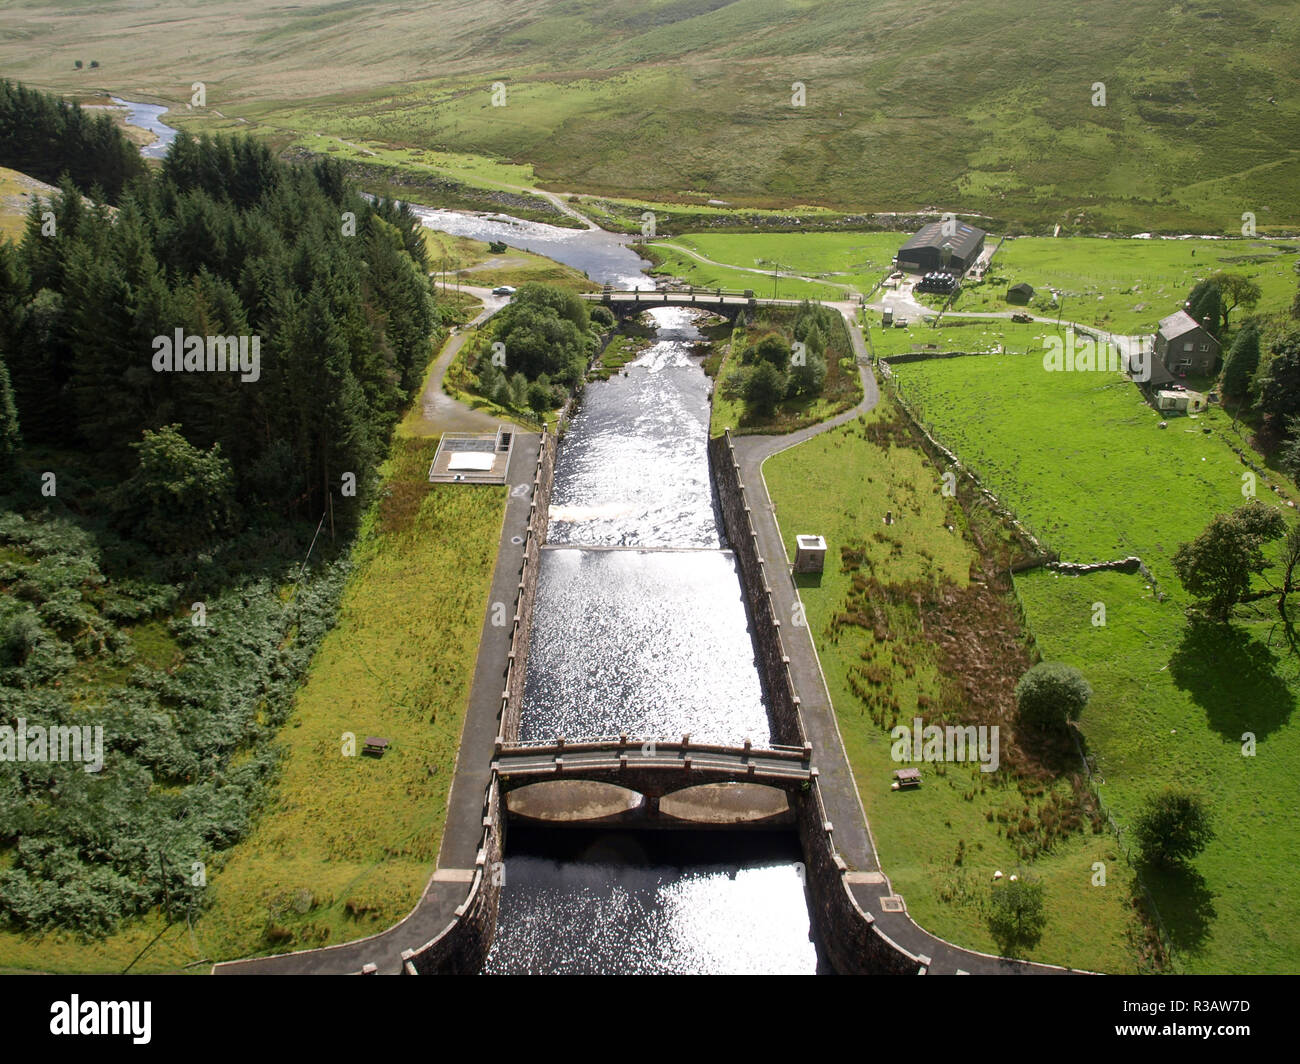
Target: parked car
[(1022, 317), (503, 290)]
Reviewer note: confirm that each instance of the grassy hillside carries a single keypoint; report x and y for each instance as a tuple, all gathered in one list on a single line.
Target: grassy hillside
[(1087, 467), (903, 630), (16, 192), (978, 105)]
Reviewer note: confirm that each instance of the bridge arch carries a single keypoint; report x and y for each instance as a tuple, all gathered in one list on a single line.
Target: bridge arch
[(591, 803)]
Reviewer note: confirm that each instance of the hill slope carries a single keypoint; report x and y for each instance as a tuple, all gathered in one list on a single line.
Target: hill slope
[(979, 105)]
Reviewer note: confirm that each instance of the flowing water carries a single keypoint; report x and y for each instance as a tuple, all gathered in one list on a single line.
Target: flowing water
[(603, 256), (148, 116), (639, 626), (653, 902)]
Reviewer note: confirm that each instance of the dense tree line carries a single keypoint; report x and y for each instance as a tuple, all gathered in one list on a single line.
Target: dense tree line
[(166, 592), (1260, 379), (329, 290), (536, 348), (47, 137), (789, 362)]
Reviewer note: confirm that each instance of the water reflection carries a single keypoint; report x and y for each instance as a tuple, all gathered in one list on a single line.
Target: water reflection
[(652, 644), (603, 256), (655, 902), (634, 468)]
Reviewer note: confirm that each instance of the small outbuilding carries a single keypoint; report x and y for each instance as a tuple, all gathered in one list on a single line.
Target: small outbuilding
[(810, 554), (1020, 294)]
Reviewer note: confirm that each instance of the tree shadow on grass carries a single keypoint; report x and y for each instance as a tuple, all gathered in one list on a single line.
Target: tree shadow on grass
[(1185, 903), (1017, 940), (1233, 677)]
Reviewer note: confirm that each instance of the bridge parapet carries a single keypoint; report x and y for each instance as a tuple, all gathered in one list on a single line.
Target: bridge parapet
[(652, 767), (723, 301)]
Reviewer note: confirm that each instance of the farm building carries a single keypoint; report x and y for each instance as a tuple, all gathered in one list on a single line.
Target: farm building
[(932, 249), (1020, 293), (1183, 346)]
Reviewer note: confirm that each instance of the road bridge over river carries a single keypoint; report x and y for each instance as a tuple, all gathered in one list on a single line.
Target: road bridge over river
[(722, 301), (633, 782)]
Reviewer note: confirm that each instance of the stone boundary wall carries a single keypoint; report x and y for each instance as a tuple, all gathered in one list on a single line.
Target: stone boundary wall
[(774, 665), (852, 942), (461, 947), (1131, 564), (512, 695), (938, 451), (926, 356)]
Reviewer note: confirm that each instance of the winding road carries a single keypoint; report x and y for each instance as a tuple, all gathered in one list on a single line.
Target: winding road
[(853, 838)]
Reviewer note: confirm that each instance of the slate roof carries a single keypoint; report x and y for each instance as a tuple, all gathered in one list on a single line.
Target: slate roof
[(1176, 324), (962, 243)]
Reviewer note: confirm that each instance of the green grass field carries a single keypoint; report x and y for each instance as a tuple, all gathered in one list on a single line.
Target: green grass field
[(972, 335), (940, 844), (855, 261), (1127, 286), (345, 845), (1081, 460), (672, 262)]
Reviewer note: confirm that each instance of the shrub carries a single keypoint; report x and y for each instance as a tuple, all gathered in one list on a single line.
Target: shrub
[(1016, 913), (1051, 694), (764, 387)]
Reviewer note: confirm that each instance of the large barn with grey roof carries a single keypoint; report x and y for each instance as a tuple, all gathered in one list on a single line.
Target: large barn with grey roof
[(932, 249)]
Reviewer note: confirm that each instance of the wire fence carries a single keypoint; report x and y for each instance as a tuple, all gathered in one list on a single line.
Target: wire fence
[(1023, 617)]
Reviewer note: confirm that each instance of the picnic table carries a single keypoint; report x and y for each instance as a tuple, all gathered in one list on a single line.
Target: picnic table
[(907, 777)]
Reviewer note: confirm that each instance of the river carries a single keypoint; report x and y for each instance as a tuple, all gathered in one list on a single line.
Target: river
[(639, 626), (149, 116), (603, 256)]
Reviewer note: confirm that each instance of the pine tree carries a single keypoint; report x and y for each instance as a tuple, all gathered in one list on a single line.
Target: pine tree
[(1243, 360), (11, 440)]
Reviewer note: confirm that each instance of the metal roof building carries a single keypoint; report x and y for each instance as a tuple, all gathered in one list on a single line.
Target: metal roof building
[(931, 249)]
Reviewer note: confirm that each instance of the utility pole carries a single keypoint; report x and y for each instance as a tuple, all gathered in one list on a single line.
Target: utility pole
[(777, 267)]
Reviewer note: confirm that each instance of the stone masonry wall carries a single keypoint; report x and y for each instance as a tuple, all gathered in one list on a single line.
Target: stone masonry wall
[(853, 944)]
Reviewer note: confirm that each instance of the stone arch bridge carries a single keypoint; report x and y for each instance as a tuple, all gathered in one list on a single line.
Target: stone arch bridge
[(653, 783), (721, 301)]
